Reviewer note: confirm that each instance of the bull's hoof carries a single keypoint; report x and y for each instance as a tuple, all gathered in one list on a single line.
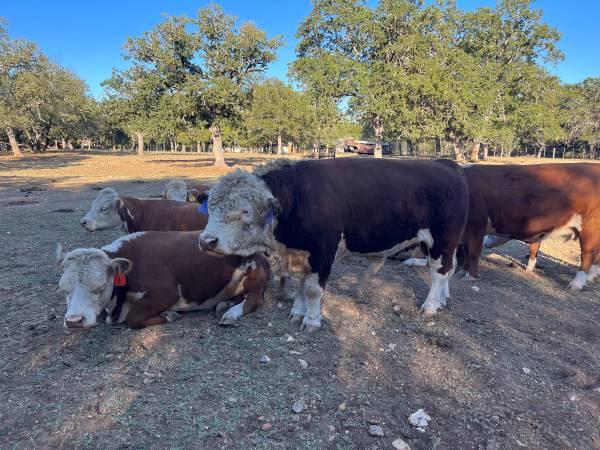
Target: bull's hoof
[(227, 321), (295, 319), (427, 312), (171, 316), (309, 328), (575, 286)]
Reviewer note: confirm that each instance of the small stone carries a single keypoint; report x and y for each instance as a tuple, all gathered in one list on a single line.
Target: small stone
[(526, 370), (270, 324), (375, 431), (266, 426), (294, 352), (298, 406), (342, 406), (475, 288), (391, 347), (419, 419), (147, 380), (290, 339), (265, 359), (373, 421), (303, 363), (280, 305), (397, 309), (90, 416), (399, 444), (109, 357)]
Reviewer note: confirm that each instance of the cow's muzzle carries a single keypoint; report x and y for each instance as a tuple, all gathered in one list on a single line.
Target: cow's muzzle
[(74, 321), (209, 244)]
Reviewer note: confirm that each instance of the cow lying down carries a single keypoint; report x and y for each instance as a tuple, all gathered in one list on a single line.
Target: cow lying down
[(109, 210), (163, 273), (181, 191)]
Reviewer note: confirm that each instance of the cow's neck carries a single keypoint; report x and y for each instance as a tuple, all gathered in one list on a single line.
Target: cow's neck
[(128, 213), (281, 191)]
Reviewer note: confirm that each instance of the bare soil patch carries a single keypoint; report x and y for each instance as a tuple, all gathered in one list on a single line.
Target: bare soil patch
[(192, 384)]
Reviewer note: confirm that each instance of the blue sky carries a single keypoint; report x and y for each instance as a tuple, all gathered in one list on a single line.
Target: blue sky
[(87, 36)]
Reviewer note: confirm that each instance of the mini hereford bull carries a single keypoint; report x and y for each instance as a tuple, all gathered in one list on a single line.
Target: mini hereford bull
[(366, 206), (166, 273), (181, 191), (108, 210), (532, 203)]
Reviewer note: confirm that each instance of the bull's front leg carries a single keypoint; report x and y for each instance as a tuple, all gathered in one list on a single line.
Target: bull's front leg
[(312, 292), (442, 268)]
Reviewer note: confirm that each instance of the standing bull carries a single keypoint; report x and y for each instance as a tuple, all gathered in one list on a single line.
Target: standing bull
[(369, 206)]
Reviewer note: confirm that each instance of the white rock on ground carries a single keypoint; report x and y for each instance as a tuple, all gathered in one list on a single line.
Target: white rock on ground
[(265, 359), (419, 419), (376, 431), (303, 363), (298, 406), (399, 444)]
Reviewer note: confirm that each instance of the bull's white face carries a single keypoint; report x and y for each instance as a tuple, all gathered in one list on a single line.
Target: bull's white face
[(87, 282), (175, 190), (241, 216), (104, 213)]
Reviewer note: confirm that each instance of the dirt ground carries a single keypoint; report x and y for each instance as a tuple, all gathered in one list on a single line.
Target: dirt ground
[(514, 363)]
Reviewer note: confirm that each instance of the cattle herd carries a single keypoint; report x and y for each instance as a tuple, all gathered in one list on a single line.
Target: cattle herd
[(205, 248)]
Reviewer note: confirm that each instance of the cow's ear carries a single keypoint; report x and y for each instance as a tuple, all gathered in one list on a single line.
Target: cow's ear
[(123, 265), (118, 203), (192, 196), (60, 253), (201, 196), (274, 206)]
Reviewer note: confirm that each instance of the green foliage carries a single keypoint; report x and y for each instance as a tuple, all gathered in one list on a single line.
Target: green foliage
[(191, 72), (39, 99)]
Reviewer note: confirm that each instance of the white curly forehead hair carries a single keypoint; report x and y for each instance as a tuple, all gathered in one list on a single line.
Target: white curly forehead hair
[(239, 188)]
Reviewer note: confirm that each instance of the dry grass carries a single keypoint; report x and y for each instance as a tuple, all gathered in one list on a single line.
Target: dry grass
[(192, 384)]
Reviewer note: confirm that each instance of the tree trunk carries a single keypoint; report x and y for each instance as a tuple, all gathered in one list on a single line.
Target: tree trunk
[(183, 148), (114, 144), (217, 143), (553, 152), (140, 142), (485, 152), (378, 128), (475, 152), (540, 151), (64, 144), (438, 147), (14, 145), (279, 144), (70, 145)]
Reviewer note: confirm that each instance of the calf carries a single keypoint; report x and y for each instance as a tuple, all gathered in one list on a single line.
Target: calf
[(365, 206), (533, 203), (109, 210), (181, 191), (165, 273)]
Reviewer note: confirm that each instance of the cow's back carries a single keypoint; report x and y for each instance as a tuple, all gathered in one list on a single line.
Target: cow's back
[(171, 259), (166, 215), (375, 203), (530, 199)]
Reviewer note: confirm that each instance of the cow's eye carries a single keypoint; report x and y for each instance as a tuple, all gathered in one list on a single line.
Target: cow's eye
[(105, 210), (245, 212)]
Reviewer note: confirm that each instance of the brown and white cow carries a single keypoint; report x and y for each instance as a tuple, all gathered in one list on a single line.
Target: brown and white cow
[(364, 206), (109, 210), (165, 273), (182, 191), (532, 203)]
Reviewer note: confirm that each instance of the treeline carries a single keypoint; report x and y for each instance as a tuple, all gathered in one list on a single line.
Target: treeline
[(425, 78)]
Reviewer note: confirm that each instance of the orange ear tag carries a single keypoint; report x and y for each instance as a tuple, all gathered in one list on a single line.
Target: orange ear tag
[(120, 279)]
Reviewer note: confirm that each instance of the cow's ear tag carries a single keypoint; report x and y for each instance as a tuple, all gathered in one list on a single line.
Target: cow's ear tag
[(120, 279), (203, 208), (269, 217)]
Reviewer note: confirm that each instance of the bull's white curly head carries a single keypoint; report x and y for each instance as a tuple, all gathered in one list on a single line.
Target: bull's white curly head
[(87, 282), (103, 213), (242, 215)]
